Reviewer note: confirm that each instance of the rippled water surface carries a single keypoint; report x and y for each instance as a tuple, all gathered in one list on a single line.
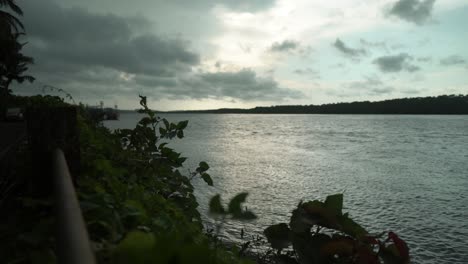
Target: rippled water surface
[(403, 173)]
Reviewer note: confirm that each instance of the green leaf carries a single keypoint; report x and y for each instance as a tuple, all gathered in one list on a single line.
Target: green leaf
[(278, 236), (181, 160), (348, 226), (202, 167), (166, 123), (180, 133), (215, 205), (182, 124), (334, 203), (162, 131), (207, 178), (234, 206)]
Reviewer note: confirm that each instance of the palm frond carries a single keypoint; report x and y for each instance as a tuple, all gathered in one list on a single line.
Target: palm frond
[(29, 78), (11, 20), (12, 5)]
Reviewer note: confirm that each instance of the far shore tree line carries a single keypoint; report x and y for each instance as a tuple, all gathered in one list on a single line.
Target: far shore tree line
[(437, 105)]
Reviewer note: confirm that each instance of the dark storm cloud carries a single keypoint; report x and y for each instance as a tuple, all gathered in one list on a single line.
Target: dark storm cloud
[(284, 46), (240, 5), (77, 37), (244, 84), (396, 63), (453, 60), (415, 11), (346, 50), (155, 82)]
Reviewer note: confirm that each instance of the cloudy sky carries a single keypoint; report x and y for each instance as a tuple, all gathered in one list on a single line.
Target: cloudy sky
[(189, 54)]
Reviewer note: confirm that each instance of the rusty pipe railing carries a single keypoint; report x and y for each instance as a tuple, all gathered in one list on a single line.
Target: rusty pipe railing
[(73, 246)]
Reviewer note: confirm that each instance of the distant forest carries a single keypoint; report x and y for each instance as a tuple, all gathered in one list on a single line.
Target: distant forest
[(440, 105)]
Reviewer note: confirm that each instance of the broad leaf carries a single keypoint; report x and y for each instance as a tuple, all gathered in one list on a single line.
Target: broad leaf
[(215, 205), (278, 236), (182, 124), (334, 203), (207, 178), (349, 227), (203, 166), (234, 206)]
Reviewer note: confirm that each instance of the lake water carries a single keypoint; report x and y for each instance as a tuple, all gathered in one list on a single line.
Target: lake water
[(408, 174)]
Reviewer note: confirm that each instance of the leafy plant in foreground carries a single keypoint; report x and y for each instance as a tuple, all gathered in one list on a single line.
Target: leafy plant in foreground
[(138, 206), (319, 232)]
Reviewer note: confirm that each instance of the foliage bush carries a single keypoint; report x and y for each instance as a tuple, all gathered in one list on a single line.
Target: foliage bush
[(319, 232), (138, 206)]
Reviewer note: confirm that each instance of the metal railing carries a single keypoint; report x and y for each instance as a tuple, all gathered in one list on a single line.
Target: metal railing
[(73, 245)]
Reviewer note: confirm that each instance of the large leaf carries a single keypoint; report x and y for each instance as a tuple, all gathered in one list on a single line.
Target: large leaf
[(349, 227), (278, 236), (400, 244), (334, 203), (202, 167), (182, 124), (317, 213), (234, 206), (215, 205), (207, 178)]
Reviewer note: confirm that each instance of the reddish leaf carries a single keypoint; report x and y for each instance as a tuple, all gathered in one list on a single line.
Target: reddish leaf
[(401, 246)]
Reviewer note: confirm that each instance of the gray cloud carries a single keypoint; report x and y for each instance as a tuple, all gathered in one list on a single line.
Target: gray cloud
[(76, 37), (351, 52), (285, 46), (396, 63), (372, 85), (206, 5), (415, 11), (244, 84), (240, 5), (453, 60), (382, 45), (424, 59), (308, 72)]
